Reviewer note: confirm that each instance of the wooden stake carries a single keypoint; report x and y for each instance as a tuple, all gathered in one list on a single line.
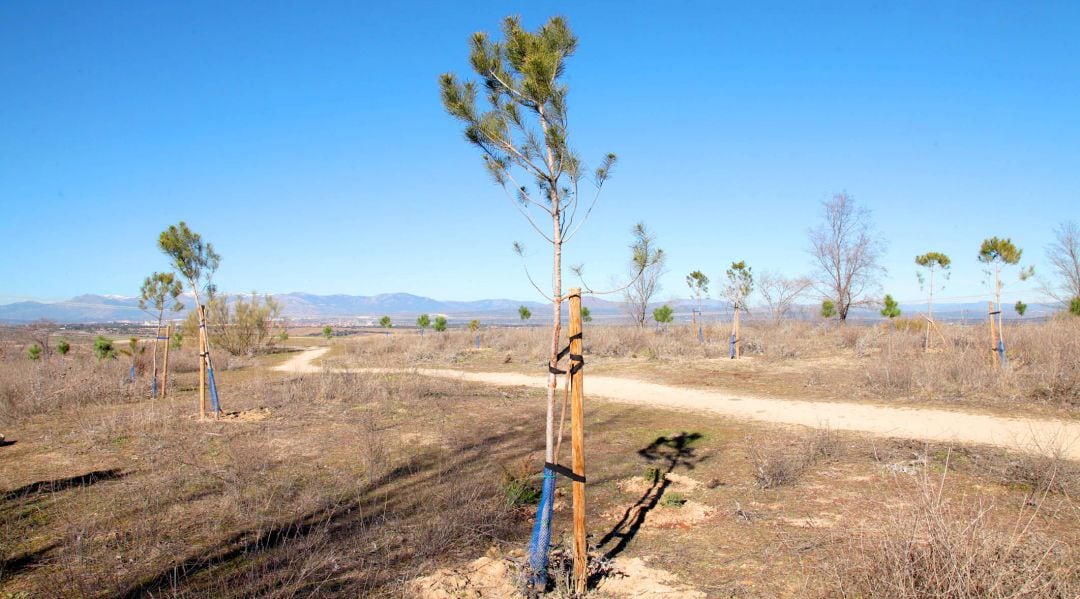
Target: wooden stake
[(577, 439), (202, 362), (738, 335), (993, 336), (165, 365)]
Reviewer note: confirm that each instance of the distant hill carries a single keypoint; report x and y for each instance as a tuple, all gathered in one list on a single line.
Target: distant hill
[(403, 308), (86, 309)]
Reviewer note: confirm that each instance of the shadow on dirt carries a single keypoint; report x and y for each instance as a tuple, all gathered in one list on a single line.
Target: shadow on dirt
[(61, 484), (668, 453)]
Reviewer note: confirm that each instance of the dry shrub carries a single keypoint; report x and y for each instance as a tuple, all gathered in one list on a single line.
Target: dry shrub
[(938, 548), (37, 387), (782, 465), (1044, 470), (1044, 364)]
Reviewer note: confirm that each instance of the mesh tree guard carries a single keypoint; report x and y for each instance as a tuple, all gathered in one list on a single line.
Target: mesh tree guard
[(541, 534)]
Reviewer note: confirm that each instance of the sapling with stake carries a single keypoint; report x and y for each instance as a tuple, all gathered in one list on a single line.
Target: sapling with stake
[(739, 286), (698, 283), (160, 291), (997, 254), (523, 137), (195, 261)]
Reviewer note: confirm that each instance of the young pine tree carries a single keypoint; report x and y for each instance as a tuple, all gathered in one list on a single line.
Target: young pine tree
[(160, 291), (523, 137)]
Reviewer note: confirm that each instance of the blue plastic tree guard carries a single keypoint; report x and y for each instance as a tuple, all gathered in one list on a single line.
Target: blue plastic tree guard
[(214, 405), (541, 534)]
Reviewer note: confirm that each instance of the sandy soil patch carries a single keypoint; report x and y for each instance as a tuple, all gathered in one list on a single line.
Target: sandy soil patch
[(492, 577)]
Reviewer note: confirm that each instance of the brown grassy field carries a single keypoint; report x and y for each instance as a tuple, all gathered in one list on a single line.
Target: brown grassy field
[(335, 484), (795, 359)]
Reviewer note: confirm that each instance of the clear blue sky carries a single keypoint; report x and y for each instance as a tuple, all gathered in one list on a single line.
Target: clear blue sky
[(307, 142)]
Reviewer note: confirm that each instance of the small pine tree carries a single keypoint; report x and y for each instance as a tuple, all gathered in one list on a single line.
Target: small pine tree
[(103, 348), (423, 321), (891, 309), (586, 315), (63, 347), (474, 325), (1020, 308), (177, 340), (385, 322), (440, 324), (524, 313), (663, 315), (828, 309), (34, 353), (1074, 306), (327, 332)]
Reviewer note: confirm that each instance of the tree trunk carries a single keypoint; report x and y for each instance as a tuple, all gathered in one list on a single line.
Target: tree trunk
[(157, 333), (556, 331), (929, 309)]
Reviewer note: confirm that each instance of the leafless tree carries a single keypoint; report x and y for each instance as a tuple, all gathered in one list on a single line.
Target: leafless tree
[(846, 249), (646, 268), (780, 293), (1064, 257), (40, 332)]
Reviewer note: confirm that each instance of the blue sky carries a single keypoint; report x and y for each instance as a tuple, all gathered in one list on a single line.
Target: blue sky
[(307, 142)]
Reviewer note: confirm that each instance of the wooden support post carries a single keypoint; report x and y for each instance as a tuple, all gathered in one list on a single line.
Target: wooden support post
[(202, 362), (993, 336), (165, 365), (738, 335), (577, 438)]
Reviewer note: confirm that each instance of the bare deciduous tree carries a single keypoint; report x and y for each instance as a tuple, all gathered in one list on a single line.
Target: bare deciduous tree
[(780, 293), (846, 250), (646, 266), (1064, 257), (39, 332)]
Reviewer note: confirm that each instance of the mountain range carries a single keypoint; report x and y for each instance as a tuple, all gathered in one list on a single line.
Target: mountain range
[(403, 307), (85, 309)]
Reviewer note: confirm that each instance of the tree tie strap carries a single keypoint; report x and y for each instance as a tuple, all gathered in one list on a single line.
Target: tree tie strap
[(563, 470)]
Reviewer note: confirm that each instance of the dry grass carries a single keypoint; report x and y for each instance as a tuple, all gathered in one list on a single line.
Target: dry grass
[(29, 387), (354, 484), (954, 549), (331, 487), (855, 360)]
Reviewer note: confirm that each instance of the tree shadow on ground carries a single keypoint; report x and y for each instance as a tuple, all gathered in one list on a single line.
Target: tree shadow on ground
[(669, 453), (61, 484), (10, 567)]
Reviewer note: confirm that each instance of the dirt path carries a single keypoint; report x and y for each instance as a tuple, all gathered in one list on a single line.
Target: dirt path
[(1025, 434)]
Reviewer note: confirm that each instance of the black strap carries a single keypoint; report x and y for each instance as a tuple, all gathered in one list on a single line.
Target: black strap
[(563, 470), (993, 313), (580, 361)]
